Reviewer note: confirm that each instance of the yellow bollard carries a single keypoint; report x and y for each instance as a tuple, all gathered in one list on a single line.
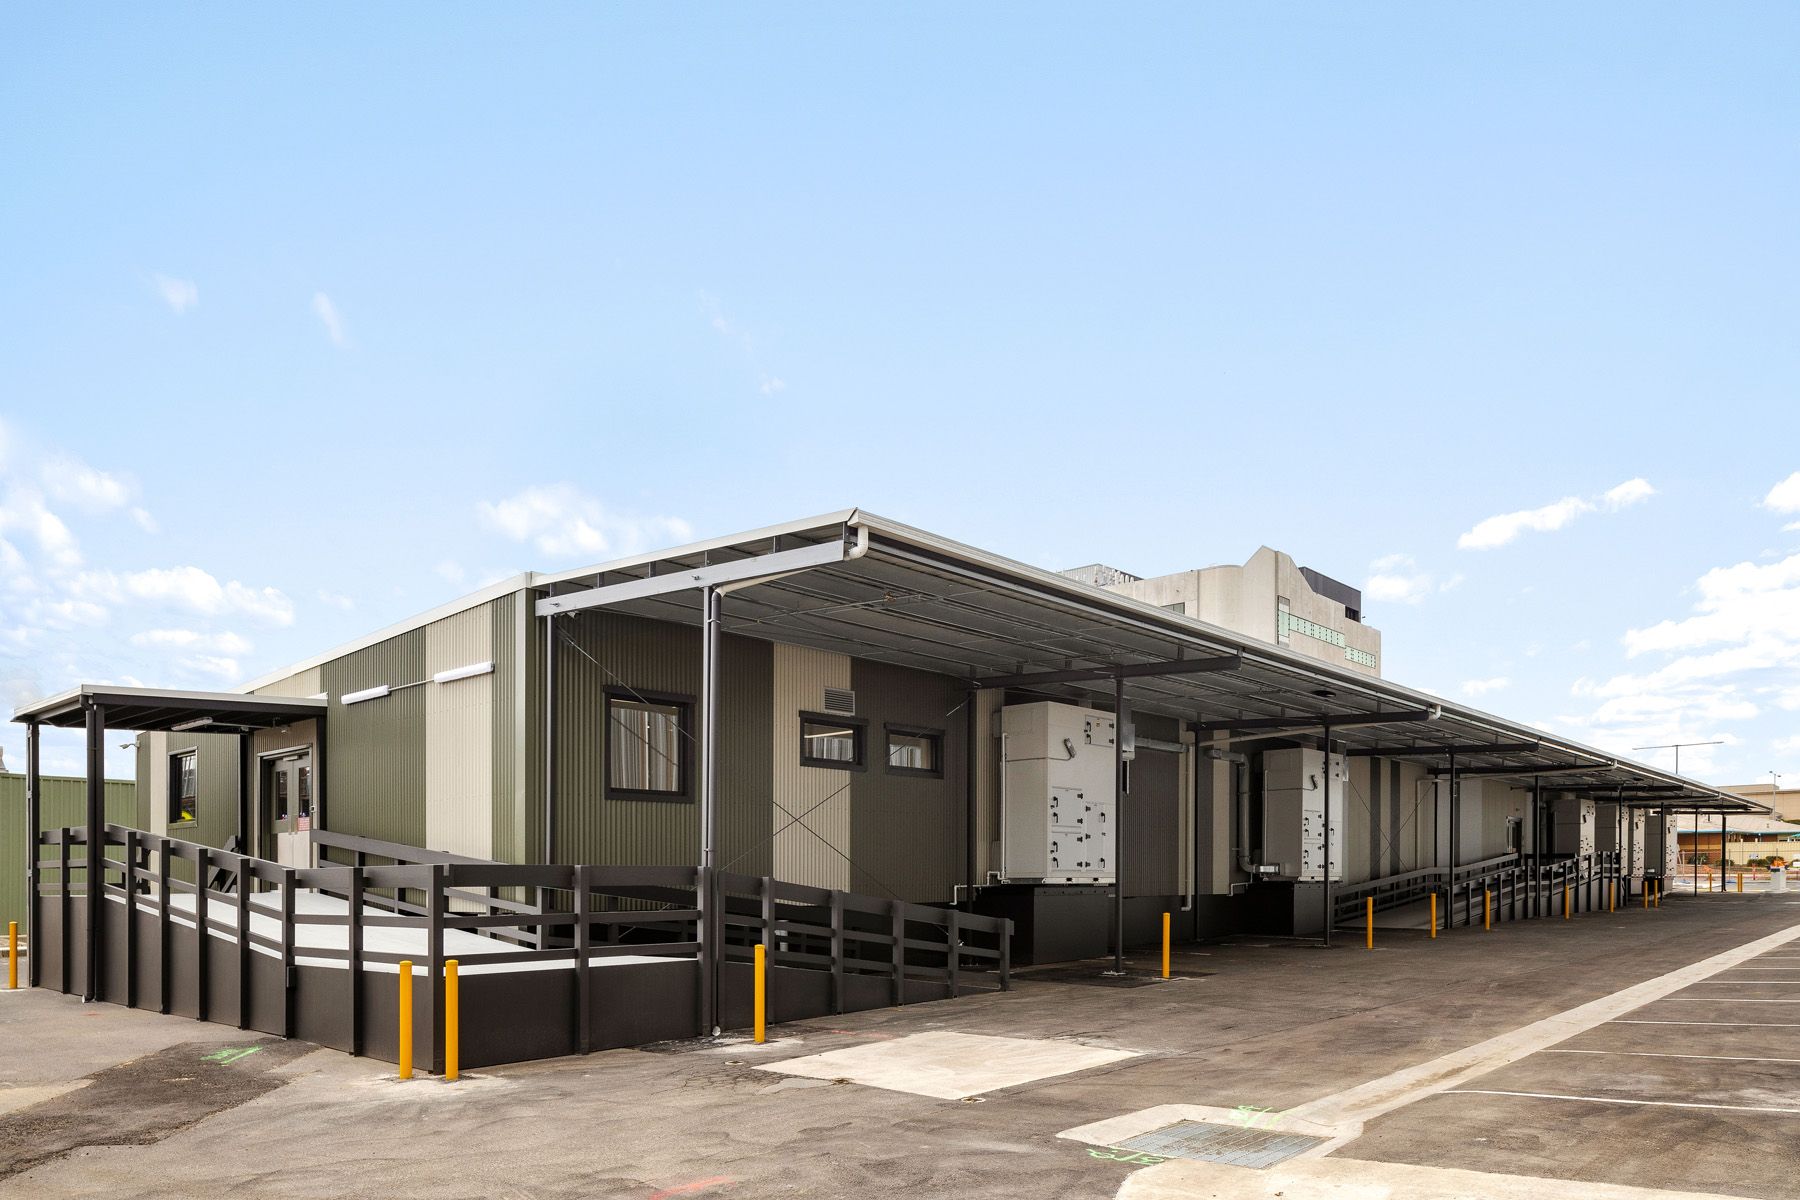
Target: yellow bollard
[(1370, 940), (1487, 909), (1434, 914), (406, 1018), (12, 955), (1612, 894), (1740, 883), (762, 992), (1646, 891), (1658, 901), (1165, 945), (1565, 902), (452, 1024)]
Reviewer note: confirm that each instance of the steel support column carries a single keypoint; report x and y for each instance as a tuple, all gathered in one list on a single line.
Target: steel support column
[(246, 755), (1723, 857), (1330, 914), (1119, 719), (96, 844), (549, 726), (711, 952), (34, 822), (1455, 820)]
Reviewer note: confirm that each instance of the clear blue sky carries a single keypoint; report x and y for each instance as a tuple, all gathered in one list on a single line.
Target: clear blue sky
[(299, 305)]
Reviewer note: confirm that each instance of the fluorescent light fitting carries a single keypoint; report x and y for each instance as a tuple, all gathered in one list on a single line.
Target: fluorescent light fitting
[(374, 693), (468, 672), (196, 723)]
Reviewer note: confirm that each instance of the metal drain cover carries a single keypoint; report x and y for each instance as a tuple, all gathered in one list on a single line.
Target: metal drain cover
[(1238, 1145)]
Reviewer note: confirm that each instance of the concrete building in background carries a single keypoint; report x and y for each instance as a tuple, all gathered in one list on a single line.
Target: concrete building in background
[(1785, 801), (1269, 598)]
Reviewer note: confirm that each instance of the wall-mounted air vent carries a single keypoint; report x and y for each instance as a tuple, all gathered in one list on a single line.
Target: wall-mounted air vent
[(841, 701)]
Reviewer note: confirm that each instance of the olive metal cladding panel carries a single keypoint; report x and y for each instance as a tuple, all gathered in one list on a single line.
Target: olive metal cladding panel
[(511, 763), (375, 750), (628, 653), (1150, 849), (302, 685), (908, 832), (63, 803), (811, 805), (459, 736), (216, 796)]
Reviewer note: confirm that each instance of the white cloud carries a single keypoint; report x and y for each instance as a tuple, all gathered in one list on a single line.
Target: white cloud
[(450, 571), (1499, 530), (190, 588), (23, 509), (193, 639), (209, 664), (1632, 491), (1481, 687), (563, 521), (1786, 745), (1738, 604), (328, 315), (1397, 578), (71, 480), (336, 600), (771, 385), (179, 294), (145, 521), (1784, 497)]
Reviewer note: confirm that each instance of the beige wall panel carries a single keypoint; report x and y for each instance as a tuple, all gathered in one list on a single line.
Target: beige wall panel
[(299, 686), (801, 677), (459, 719)]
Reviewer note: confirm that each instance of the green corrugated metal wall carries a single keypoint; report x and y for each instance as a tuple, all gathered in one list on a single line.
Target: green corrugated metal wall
[(653, 656), (375, 752), (215, 811), (64, 803)]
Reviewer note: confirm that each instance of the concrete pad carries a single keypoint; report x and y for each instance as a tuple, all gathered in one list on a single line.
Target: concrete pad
[(949, 1066), (1347, 1179)]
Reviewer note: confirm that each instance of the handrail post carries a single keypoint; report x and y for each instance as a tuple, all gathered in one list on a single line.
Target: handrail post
[(584, 953), (202, 939), (288, 934), (434, 920), (898, 913), (356, 958), (837, 952), (243, 941)]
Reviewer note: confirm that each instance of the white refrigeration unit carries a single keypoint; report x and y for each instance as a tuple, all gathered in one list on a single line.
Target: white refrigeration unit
[(1056, 796), (1293, 800)]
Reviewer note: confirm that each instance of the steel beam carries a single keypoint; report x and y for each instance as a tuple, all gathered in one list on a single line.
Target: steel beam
[(1460, 748), (1466, 772), (1177, 666), (1302, 722), (738, 570)]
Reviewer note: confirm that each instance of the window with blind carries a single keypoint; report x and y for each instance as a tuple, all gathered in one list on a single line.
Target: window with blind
[(184, 786), (825, 742), (915, 752), (646, 751)]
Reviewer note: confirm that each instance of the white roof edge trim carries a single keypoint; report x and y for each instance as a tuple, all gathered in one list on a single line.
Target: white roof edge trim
[(515, 583), (847, 516)]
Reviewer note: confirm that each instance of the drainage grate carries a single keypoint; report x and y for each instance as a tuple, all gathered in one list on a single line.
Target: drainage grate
[(1238, 1145)]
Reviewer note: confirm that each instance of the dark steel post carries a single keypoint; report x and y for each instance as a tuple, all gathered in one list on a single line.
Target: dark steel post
[(321, 770), (34, 821), (711, 952), (96, 846), (245, 755), (1118, 831), (1723, 858), (1330, 913), (549, 742)]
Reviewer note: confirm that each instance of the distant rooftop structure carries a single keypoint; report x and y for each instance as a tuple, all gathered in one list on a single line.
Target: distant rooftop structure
[(1100, 575), (1269, 597)]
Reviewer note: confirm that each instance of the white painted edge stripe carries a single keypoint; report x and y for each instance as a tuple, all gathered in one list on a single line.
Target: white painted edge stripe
[(1731, 1024), (1666, 1054), (1613, 1100), (1734, 1000)]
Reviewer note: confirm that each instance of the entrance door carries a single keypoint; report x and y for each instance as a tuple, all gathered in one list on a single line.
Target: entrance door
[(287, 804)]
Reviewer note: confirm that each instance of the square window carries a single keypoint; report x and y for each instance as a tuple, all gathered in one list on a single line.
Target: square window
[(183, 786), (915, 752), (825, 742), (645, 751)]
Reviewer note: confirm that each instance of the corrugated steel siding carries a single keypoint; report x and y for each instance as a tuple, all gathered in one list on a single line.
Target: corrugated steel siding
[(1150, 850), (375, 751), (908, 833), (810, 805), (63, 803), (216, 804), (511, 763), (617, 651), (459, 737)]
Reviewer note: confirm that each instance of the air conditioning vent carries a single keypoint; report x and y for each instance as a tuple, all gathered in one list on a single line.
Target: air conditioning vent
[(841, 701)]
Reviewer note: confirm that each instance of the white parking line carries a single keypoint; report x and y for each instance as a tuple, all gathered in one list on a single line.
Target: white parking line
[(1731, 1024), (1667, 1054), (1615, 1100), (1734, 1000)]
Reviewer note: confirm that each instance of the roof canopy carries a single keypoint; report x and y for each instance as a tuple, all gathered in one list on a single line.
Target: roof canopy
[(163, 709), (859, 584)]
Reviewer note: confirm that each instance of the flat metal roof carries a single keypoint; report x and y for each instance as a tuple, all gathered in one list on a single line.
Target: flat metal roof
[(165, 708), (905, 596)]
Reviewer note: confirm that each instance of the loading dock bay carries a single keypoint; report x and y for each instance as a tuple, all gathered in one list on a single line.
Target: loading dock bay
[(1256, 1027)]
